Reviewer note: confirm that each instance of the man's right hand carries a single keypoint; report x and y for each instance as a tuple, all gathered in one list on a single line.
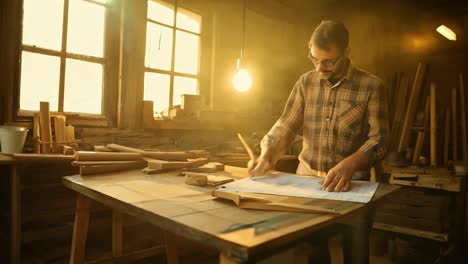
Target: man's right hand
[(259, 167)]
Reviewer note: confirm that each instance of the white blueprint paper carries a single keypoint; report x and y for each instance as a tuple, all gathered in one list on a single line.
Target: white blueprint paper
[(298, 186)]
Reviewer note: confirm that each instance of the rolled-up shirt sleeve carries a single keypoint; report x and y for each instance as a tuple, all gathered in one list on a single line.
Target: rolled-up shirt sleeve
[(375, 146), (277, 140)]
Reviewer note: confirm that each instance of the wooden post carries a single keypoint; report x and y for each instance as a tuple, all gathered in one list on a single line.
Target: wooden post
[(117, 234), (36, 133), (463, 118), (15, 217), (80, 229), (433, 126), (454, 125)]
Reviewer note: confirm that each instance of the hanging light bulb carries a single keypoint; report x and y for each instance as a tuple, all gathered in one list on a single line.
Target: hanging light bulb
[(447, 32), (242, 80)]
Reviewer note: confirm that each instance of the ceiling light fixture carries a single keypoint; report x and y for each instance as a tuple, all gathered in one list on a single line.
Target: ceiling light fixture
[(447, 32), (242, 80)]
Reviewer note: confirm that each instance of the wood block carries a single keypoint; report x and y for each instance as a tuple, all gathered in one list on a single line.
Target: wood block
[(69, 133), (211, 180), (59, 127), (196, 179)]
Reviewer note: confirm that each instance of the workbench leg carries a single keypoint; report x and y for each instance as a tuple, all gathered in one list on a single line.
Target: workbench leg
[(171, 249), (225, 258), (117, 241), (15, 216), (80, 229)]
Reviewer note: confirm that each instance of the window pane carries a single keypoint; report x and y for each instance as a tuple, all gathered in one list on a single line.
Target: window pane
[(188, 20), (40, 76), (184, 85), (86, 28), (186, 53), (83, 87), (161, 12), (42, 23), (158, 47), (157, 90)]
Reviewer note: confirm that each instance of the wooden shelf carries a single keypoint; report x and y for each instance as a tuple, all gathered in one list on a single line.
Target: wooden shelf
[(442, 237)]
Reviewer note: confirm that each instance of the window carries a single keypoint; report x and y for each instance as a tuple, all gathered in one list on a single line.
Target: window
[(62, 58), (172, 55)]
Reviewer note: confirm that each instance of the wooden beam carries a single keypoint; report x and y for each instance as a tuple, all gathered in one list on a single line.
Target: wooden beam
[(433, 126), (463, 118)]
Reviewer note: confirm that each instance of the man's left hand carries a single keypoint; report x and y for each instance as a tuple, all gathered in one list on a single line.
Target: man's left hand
[(339, 177)]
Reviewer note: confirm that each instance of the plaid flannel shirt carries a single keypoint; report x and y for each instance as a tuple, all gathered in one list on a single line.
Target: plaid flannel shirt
[(337, 120)]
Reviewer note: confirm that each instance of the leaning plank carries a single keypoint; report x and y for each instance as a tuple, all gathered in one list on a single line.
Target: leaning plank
[(454, 126), (412, 105), (463, 135), (443, 237)]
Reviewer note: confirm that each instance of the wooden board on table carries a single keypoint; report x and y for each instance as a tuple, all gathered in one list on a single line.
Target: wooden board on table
[(162, 164), (192, 212), (113, 167), (106, 156)]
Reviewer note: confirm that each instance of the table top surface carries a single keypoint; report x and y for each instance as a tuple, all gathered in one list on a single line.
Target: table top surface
[(190, 211)]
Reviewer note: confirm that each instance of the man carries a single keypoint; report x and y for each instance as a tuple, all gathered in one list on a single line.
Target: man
[(344, 118)]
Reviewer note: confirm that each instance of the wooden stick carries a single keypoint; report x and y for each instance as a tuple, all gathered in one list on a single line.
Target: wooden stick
[(463, 118), (246, 146), (412, 105), (421, 134), (433, 126), (454, 125), (46, 131), (447, 136), (106, 156)]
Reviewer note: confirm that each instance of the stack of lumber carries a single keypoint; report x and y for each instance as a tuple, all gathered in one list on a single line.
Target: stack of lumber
[(51, 134), (115, 157)]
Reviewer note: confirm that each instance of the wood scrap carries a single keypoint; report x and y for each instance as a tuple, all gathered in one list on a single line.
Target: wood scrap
[(67, 150), (106, 156), (196, 179), (412, 105), (91, 170), (202, 179)]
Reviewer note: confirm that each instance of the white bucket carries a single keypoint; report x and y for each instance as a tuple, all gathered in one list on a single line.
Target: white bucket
[(12, 138)]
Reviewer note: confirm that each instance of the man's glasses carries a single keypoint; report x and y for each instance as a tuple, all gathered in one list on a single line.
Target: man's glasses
[(327, 63)]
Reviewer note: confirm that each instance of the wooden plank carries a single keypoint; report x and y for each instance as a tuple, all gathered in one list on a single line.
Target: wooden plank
[(97, 163), (421, 134), (463, 134), (46, 131), (442, 237), (26, 158), (90, 170), (80, 230), (207, 168), (454, 126), (400, 107), (59, 126), (162, 155), (412, 106), (433, 126), (36, 133), (117, 234), (447, 136), (106, 156), (69, 133)]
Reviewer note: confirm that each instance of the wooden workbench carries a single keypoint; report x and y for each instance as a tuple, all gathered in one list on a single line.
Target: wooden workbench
[(164, 200)]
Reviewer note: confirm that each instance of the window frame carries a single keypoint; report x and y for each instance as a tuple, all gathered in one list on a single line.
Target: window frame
[(109, 102), (172, 73)]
